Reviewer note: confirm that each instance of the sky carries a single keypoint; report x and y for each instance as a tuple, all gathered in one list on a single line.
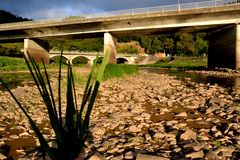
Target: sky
[(50, 9)]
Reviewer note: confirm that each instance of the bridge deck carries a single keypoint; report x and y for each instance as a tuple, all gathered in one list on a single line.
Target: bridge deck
[(82, 20), (139, 23)]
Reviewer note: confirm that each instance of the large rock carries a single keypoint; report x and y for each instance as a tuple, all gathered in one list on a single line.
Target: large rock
[(129, 155), (97, 156), (211, 156), (135, 129), (2, 157), (195, 146), (188, 135), (225, 151), (149, 157), (182, 114), (193, 155), (117, 158)]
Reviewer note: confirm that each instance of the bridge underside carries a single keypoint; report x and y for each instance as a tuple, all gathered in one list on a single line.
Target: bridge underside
[(39, 49), (134, 31), (224, 48), (221, 22)]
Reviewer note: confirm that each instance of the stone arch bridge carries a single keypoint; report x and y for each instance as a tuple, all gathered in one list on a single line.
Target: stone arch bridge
[(91, 56)]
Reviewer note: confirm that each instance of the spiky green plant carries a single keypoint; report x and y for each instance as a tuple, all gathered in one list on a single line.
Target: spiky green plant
[(71, 128)]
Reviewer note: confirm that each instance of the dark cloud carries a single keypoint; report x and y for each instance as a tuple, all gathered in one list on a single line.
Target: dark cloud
[(43, 9)]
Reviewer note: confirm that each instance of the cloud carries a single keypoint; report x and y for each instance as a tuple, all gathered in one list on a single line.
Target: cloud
[(44, 9)]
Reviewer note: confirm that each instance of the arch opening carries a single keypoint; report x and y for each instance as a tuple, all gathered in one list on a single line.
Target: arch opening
[(80, 60), (122, 60), (100, 59), (56, 60)]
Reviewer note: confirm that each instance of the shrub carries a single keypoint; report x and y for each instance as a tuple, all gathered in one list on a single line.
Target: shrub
[(71, 135)]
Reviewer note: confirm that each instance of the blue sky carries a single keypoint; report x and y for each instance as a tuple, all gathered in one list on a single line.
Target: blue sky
[(49, 9)]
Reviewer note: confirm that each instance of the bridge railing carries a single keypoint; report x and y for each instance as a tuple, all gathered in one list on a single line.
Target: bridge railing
[(56, 52), (164, 8), (175, 7)]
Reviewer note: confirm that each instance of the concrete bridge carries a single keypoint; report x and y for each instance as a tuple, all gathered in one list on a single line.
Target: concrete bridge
[(91, 56), (219, 18)]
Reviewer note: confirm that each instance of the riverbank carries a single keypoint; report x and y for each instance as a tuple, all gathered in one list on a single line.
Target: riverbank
[(219, 72), (141, 116), (9, 64), (181, 63)]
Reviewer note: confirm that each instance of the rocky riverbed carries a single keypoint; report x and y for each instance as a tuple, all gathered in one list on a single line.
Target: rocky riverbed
[(145, 117)]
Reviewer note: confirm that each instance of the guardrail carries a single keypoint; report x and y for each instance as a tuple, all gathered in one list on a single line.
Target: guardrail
[(55, 52), (175, 7)]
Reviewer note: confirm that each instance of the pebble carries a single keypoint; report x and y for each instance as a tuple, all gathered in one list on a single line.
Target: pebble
[(137, 116), (2, 157), (129, 155)]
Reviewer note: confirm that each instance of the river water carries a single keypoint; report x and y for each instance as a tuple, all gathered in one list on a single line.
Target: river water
[(226, 82), (24, 78), (20, 79)]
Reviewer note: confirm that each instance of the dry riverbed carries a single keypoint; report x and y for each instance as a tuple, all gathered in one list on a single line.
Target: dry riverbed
[(145, 117)]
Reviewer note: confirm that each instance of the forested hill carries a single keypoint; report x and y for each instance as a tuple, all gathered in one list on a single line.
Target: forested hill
[(7, 17)]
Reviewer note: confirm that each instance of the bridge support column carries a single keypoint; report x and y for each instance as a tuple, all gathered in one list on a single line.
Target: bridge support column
[(37, 49), (110, 46), (224, 48)]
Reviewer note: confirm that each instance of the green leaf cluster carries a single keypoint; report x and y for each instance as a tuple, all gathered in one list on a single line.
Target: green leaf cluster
[(71, 127), (180, 44), (81, 45), (11, 49), (127, 49)]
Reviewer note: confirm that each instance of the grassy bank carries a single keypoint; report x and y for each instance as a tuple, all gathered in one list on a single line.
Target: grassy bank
[(114, 70), (111, 71), (18, 64), (12, 64), (119, 70), (80, 72), (181, 63)]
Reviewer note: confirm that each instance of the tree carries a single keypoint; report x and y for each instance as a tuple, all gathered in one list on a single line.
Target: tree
[(169, 45), (201, 45), (146, 43), (185, 44), (86, 45), (157, 45)]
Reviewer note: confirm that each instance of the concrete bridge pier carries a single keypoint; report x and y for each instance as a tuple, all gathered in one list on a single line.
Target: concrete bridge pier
[(224, 48), (37, 49), (110, 46)]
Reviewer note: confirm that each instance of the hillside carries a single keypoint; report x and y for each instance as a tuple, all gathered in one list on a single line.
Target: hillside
[(7, 17)]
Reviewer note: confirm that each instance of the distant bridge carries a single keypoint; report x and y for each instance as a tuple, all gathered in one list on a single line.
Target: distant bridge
[(219, 18), (91, 56)]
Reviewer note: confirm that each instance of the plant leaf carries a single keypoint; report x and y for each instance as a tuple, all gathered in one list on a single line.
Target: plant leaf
[(42, 140)]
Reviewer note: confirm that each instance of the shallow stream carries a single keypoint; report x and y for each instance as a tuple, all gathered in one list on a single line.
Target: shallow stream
[(23, 78), (226, 82)]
